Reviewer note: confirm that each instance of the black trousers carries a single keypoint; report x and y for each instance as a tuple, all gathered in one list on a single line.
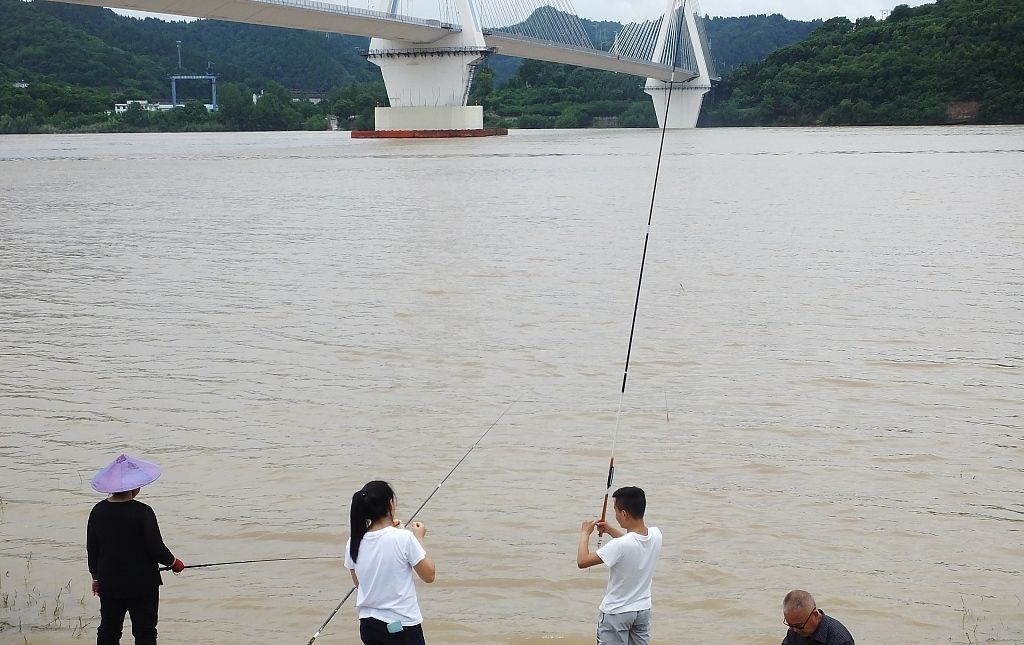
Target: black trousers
[(375, 632), (143, 611)]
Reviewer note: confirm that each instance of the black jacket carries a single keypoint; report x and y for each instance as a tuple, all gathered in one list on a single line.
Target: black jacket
[(125, 548)]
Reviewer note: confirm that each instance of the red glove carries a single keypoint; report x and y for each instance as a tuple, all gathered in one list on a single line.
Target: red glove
[(95, 587), (178, 566)]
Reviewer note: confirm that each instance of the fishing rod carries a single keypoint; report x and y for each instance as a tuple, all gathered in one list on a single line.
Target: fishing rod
[(643, 261), (434, 492), (221, 564)]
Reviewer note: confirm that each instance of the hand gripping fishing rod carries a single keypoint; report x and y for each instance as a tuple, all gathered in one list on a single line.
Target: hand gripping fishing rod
[(409, 521), (640, 280), (221, 564)]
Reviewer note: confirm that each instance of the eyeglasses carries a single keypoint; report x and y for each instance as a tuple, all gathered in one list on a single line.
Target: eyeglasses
[(799, 626)]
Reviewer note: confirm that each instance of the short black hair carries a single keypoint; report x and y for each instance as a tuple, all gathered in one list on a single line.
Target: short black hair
[(632, 500)]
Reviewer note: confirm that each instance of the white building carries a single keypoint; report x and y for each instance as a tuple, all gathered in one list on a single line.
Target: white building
[(121, 108)]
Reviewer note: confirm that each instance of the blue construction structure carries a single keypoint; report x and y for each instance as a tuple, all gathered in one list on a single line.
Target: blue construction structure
[(194, 77), (208, 76)]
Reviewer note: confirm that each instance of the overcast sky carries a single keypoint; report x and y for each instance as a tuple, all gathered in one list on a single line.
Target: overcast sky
[(628, 10)]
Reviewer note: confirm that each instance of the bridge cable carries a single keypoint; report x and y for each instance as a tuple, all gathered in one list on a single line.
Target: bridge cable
[(640, 281), (409, 521)]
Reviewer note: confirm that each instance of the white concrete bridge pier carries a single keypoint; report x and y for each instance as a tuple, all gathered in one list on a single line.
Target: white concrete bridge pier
[(428, 83), (682, 43)]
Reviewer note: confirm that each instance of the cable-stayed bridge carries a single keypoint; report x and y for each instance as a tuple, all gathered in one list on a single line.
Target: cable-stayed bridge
[(428, 60)]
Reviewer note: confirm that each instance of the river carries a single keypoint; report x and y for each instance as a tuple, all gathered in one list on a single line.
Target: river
[(825, 386)]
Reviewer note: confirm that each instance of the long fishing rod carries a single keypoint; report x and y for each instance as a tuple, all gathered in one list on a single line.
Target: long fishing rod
[(221, 564), (643, 261), (409, 521)]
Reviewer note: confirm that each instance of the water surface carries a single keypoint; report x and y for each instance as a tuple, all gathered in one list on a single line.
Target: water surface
[(825, 387)]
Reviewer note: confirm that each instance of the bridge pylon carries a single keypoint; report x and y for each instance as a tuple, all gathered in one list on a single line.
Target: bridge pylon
[(428, 83), (682, 42)]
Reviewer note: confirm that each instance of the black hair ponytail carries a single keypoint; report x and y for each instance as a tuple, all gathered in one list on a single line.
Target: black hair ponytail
[(369, 503)]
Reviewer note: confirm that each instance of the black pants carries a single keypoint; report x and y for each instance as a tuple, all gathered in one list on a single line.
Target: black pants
[(143, 610), (375, 632)]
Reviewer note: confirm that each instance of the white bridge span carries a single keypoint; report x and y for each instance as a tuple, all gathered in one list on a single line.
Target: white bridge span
[(428, 64)]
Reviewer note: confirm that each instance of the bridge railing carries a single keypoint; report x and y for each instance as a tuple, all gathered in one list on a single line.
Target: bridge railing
[(357, 11), (426, 51)]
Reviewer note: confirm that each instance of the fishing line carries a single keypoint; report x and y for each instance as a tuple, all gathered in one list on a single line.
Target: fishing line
[(640, 281), (409, 521), (221, 564)]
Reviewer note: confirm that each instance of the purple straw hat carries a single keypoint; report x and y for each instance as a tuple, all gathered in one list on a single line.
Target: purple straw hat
[(124, 474)]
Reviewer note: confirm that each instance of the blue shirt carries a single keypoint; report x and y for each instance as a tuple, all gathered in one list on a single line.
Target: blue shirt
[(829, 632)]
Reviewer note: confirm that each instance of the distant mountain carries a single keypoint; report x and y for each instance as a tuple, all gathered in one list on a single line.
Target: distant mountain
[(747, 39), (36, 45), (96, 47)]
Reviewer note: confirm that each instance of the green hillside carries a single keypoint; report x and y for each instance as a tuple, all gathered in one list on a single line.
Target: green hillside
[(35, 45), (98, 48), (746, 39), (952, 61)]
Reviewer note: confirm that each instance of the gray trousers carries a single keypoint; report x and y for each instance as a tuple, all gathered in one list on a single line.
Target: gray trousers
[(627, 628)]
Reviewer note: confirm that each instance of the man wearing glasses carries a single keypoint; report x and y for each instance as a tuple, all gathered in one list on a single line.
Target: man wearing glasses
[(809, 625)]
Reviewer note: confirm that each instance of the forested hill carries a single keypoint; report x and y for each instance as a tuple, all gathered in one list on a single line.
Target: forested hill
[(747, 39), (952, 61), (97, 48)]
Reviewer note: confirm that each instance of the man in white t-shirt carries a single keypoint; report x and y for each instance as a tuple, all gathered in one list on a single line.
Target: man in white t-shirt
[(625, 617)]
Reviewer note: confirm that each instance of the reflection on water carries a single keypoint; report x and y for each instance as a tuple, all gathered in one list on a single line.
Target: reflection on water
[(825, 389)]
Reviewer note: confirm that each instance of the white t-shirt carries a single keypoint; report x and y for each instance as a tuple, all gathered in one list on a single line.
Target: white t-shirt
[(386, 589), (630, 559)]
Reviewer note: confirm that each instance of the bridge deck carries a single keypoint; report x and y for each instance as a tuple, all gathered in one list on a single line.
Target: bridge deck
[(521, 47), (294, 14)]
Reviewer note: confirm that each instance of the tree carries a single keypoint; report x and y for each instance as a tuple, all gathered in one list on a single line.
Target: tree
[(483, 84), (235, 107), (194, 111), (272, 113), (315, 122), (135, 116), (900, 12), (535, 121), (573, 117), (17, 102), (639, 114)]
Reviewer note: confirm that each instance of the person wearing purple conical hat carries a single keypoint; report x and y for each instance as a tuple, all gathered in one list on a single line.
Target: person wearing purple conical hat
[(125, 550)]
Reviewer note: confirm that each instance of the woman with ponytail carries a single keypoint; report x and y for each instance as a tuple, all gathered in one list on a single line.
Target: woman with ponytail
[(381, 556)]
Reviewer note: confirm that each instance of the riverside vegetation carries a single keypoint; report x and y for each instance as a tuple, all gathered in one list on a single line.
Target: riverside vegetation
[(25, 609), (62, 68)]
